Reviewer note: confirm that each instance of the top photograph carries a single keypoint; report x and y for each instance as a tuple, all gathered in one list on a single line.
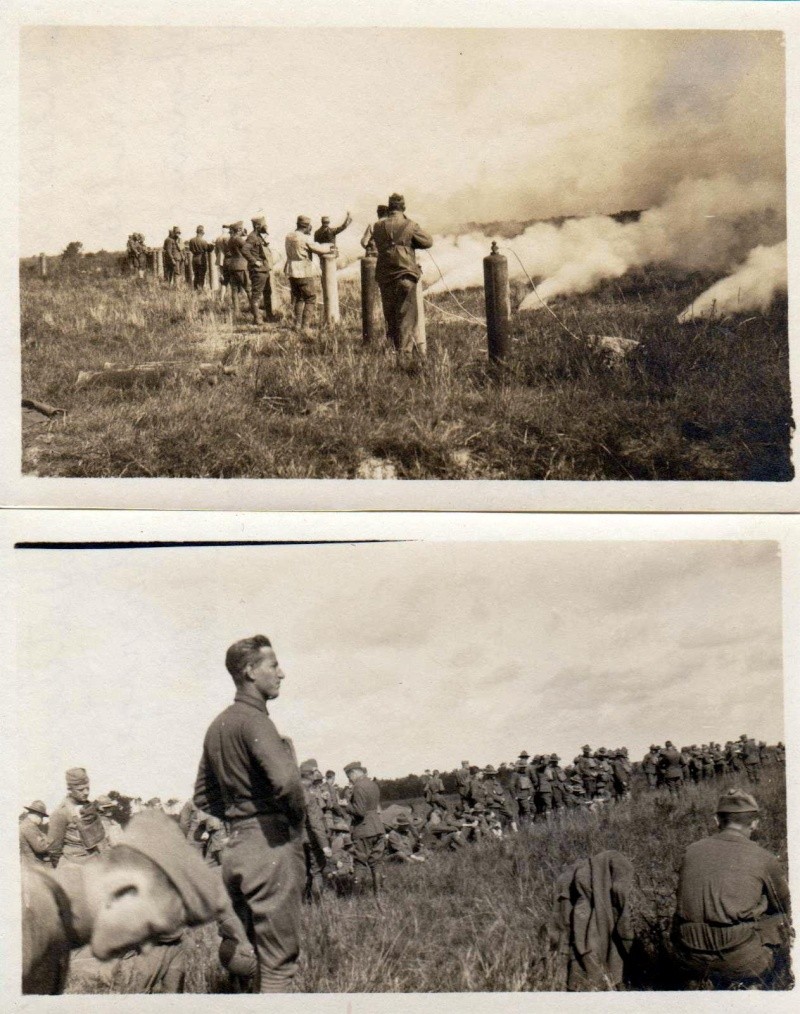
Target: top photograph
[(445, 268)]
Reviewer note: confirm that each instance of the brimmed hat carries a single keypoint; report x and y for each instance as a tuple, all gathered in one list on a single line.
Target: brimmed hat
[(259, 220), (524, 754), (402, 820), (737, 801), (308, 768), (160, 839), (236, 225), (397, 202), (176, 228), (586, 747), (554, 757), (489, 770), (37, 806), (200, 228), (352, 766), (303, 221), (104, 803)]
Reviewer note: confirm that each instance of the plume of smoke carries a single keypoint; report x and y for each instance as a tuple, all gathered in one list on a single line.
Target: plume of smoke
[(752, 286)]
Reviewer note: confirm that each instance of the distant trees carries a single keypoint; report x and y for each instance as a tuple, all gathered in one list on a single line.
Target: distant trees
[(72, 251)]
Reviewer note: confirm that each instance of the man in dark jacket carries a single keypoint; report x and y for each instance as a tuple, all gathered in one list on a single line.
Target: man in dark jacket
[(732, 914), (33, 844), (326, 233), (369, 841), (248, 777), (198, 248), (260, 261), (173, 256), (316, 847), (397, 274)]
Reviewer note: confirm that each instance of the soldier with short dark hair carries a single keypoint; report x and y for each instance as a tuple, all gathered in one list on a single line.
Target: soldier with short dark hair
[(732, 915), (368, 832), (173, 256), (199, 248)]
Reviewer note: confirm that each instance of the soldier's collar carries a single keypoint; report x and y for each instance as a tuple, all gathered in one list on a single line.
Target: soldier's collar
[(242, 697)]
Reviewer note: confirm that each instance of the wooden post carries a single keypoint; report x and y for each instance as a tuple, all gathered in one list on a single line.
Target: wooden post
[(212, 270), (498, 304), (421, 340), (277, 280), (330, 289), (158, 253), (369, 298), (42, 266)]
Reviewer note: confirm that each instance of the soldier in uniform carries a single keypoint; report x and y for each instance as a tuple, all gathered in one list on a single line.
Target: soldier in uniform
[(402, 842), (396, 239), (558, 782), (260, 261), (235, 265), (732, 914), (316, 847), (302, 271), (621, 774), (367, 241), (327, 234), (463, 779), (173, 256), (522, 787), (199, 248), (113, 831), (671, 768), (586, 767), (434, 792), (368, 832), (248, 776), (76, 832), (543, 781), (752, 760), (650, 766), (477, 788), (33, 844)]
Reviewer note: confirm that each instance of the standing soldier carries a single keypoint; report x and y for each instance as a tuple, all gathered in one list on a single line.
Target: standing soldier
[(315, 846), (586, 767), (477, 788), (131, 254), (544, 787), (302, 271), (76, 831), (260, 261), (522, 788), (173, 256), (732, 915), (367, 241), (620, 769), (235, 265), (463, 779), (327, 234), (752, 760), (33, 844), (198, 248), (671, 768), (435, 790), (113, 831), (248, 776), (368, 832), (397, 273)]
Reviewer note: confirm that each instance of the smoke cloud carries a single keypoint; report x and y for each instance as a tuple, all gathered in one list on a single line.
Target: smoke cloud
[(752, 286)]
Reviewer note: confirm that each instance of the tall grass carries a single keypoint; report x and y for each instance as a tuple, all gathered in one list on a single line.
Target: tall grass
[(475, 920), (702, 401)]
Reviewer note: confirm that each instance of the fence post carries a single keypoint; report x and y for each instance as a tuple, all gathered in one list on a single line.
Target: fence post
[(158, 254), (212, 269), (421, 340), (42, 266), (330, 289), (498, 304), (278, 292), (369, 298), (188, 271)]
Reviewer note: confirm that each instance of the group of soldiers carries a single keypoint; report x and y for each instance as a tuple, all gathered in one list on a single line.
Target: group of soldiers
[(669, 767), (246, 263)]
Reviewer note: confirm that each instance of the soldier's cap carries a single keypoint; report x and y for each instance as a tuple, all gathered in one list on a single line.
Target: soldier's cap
[(200, 228), (478, 808), (312, 761), (176, 228), (623, 749), (76, 777), (586, 747), (325, 219), (329, 773), (37, 806), (489, 770), (601, 751), (464, 762), (160, 839), (653, 746), (352, 766), (104, 803), (308, 767), (402, 820), (303, 221), (318, 776), (737, 801), (235, 225), (743, 736), (525, 754), (260, 220), (668, 743), (397, 202), (554, 757)]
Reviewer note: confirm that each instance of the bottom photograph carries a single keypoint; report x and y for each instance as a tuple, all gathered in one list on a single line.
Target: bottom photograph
[(401, 766)]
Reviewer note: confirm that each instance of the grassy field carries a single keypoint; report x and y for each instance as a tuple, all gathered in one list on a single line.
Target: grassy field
[(702, 401), (474, 920)]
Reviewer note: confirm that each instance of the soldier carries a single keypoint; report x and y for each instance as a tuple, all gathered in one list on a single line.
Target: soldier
[(586, 767), (260, 262), (340, 867), (650, 766), (397, 273), (173, 256), (402, 842), (199, 248), (76, 831), (522, 787), (780, 752), (752, 760), (434, 792), (463, 779), (33, 844), (316, 848), (543, 797), (621, 775), (149, 885), (367, 241), (671, 768), (235, 266), (327, 234), (559, 782), (302, 271), (248, 776), (477, 788), (368, 832), (732, 914), (131, 254), (141, 255), (113, 831), (605, 775)]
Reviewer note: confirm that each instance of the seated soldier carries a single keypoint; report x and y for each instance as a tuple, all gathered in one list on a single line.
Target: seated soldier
[(402, 842), (731, 923)]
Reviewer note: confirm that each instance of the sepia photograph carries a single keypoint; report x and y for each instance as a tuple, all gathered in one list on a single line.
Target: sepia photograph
[(526, 761), (508, 255)]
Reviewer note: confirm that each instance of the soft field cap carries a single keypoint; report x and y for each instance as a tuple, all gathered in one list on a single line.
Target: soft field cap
[(736, 801)]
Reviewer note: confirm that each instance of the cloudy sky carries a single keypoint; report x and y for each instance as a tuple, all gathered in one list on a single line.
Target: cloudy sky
[(404, 655), (127, 129)]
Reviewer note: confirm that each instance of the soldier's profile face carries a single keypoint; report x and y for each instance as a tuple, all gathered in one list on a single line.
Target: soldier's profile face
[(80, 793), (266, 674)]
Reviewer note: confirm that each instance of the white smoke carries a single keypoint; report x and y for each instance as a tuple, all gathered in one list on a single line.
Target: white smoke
[(751, 286), (707, 224)]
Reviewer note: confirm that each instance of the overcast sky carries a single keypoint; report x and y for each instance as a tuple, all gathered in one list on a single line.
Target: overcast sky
[(137, 129), (403, 656)]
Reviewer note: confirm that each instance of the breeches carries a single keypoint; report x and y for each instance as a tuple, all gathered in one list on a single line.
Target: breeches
[(368, 852), (199, 270), (399, 298), (303, 290), (263, 868)]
